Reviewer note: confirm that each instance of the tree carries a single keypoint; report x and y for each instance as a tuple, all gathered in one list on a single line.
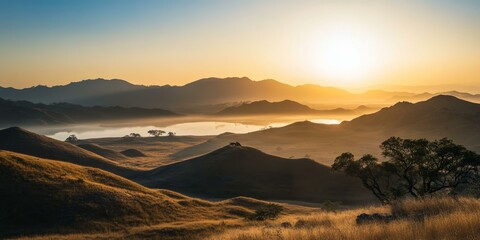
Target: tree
[(415, 167), (135, 135), (171, 134), (71, 139), (156, 133)]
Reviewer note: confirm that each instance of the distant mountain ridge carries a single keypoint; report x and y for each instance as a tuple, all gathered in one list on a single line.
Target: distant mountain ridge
[(26, 113), (203, 92), (439, 112), (284, 107), (439, 117)]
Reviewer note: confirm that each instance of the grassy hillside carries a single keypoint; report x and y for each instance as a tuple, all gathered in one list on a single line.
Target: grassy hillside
[(22, 141), (236, 170), (102, 151), (44, 196)]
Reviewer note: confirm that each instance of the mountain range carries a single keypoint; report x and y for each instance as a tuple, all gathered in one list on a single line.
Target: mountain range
[(201, 93), (285, 107), (24, 113), (438, 117)]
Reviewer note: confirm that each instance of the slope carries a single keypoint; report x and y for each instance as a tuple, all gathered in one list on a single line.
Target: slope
[(235, 170), (40, 196), (22, 141)]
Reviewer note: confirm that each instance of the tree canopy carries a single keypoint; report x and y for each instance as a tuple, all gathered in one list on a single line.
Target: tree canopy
[(415, 167)]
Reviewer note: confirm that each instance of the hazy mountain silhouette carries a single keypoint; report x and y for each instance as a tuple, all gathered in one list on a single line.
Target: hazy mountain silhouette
[(244, 171), (439, 117), (22, 141), (440, 114), (284, 107), (266, 107), (27, 113), (425, 96), (73, 92), (208, 91)]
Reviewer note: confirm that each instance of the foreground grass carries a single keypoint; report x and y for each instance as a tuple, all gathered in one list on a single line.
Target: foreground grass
[(442, 218), (445, 218)]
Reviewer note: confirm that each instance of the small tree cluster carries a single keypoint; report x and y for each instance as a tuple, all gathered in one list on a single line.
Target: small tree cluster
[(156, 133), (415, 167)]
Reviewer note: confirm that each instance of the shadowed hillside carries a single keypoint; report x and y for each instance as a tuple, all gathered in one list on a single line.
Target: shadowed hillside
[(133, 153), (104, 152), (235, 170), (27, 113), (22, 141), (45, 196)]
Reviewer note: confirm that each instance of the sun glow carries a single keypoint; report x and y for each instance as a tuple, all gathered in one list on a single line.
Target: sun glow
[(346, 55)]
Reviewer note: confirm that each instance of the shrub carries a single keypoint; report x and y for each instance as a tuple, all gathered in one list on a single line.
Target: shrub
[(268, 212)]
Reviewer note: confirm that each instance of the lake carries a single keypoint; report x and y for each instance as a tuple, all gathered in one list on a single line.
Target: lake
[(199, 128)]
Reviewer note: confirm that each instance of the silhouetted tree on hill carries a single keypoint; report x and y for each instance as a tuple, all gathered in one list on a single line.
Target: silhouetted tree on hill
[(156, 133), (135, 135), (415, 167)]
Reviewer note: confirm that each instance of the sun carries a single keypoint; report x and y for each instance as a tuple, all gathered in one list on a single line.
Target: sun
[(345, 56)]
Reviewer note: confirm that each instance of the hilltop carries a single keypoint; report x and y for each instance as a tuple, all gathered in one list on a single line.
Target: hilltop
[(238, 170)]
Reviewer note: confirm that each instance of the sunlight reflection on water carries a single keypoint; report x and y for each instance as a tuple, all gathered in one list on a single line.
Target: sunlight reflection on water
[(189, 128)]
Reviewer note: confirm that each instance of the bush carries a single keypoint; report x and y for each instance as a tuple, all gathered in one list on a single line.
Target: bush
[(268, 212)]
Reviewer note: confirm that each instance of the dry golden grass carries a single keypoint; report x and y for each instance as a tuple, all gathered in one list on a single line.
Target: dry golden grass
[(445, 218)]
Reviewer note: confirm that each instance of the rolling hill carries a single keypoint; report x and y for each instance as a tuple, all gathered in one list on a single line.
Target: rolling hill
[(42, 196), (236, 170), (22, 141), (224, 173), (27, 113), (104, 152)]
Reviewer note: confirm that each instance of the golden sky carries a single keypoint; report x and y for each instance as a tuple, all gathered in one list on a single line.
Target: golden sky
[(348, 44)]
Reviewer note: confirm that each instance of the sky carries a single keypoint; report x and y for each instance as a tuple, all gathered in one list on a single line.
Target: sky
[(349, 44)]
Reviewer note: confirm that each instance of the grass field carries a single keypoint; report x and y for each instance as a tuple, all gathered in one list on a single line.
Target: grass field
[(444, 218)]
